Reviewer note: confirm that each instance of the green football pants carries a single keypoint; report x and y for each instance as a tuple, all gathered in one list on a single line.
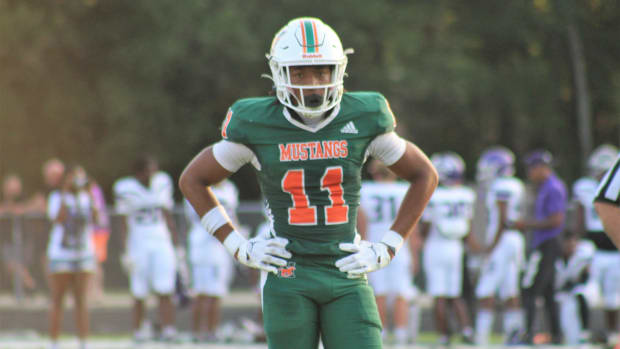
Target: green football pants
[(312, 298)]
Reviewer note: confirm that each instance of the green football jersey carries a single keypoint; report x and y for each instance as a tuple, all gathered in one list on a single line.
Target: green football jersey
[(310, 178)]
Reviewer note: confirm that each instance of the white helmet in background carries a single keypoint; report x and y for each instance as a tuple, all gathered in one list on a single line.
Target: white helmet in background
[(450, 167), (602, 158), (495, 162), (307, 41)]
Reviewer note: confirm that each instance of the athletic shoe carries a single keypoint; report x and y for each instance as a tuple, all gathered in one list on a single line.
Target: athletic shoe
[(169, 334), (144, 333)]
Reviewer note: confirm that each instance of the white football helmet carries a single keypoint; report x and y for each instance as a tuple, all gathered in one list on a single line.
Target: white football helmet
[(450, 167), (495, 162), (602, 158), (307, 41)]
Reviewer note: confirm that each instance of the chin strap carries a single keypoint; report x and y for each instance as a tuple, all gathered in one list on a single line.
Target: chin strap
[(267, 76)]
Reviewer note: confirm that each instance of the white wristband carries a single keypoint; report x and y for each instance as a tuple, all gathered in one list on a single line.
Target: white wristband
[(214, 219), (233, 241), (393, 240)]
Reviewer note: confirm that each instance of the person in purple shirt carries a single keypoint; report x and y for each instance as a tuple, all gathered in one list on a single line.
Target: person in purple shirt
[(546, 227)]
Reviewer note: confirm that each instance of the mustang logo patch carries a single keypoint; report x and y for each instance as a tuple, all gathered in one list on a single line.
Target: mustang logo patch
[(287, 272)]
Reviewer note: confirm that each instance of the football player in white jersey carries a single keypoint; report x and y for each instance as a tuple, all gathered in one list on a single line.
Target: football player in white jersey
[(212, 266), (505, 247), (380, 199), (571, 276), (445, 224), (145, 200), (605, 271)]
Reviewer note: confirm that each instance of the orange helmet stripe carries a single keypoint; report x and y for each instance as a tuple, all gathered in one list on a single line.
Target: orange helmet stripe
[(303, 36), (316, 37)]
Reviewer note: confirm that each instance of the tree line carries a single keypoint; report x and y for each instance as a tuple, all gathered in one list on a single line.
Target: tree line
[(97, 82)]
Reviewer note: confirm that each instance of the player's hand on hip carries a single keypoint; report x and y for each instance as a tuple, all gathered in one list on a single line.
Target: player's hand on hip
[(366, 257), (259, 253), (264, 254)]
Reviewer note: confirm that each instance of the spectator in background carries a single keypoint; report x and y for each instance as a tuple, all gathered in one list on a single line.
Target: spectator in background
[(53, 173), (212, 266), (17, 254), (101, 235), (545, 248), (70, 251), (14, 198)]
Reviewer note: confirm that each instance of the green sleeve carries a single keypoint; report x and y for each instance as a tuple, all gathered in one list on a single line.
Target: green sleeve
[(386, 122), (375, 110), (233, 125)]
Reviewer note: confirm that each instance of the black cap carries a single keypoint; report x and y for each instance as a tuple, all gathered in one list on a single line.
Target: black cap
[(538, 157)]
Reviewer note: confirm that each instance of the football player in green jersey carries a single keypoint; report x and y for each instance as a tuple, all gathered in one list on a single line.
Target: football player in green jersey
[(308, 145)]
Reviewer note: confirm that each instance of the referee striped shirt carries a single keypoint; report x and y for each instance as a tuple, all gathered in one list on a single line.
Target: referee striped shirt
[(609, 188)]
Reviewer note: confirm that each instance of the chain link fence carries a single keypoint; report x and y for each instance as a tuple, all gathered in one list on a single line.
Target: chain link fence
[(23, 241)]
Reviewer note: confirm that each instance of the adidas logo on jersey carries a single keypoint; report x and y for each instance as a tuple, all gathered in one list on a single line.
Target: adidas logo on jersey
[(349, 128)]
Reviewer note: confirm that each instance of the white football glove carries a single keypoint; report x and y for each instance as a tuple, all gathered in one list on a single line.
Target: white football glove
[(368, 256), (258, 252)]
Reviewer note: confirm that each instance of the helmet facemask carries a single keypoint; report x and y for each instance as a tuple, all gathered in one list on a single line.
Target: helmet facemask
[(307, 42), (308, 105)]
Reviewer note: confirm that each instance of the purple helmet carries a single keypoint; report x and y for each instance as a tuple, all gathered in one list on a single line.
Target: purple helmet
[(495, 162), (450, 167)]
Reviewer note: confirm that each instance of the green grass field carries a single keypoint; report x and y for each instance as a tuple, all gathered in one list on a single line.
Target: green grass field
[(129, 345), (426, 341)]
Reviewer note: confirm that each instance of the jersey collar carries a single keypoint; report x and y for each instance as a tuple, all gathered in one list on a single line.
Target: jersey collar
[(315, 128)]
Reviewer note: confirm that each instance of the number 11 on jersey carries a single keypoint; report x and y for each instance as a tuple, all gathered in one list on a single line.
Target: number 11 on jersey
[(302, 213)]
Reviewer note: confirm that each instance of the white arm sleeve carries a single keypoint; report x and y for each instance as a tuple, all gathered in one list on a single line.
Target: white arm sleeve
[(232, 155), (388, 148)]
